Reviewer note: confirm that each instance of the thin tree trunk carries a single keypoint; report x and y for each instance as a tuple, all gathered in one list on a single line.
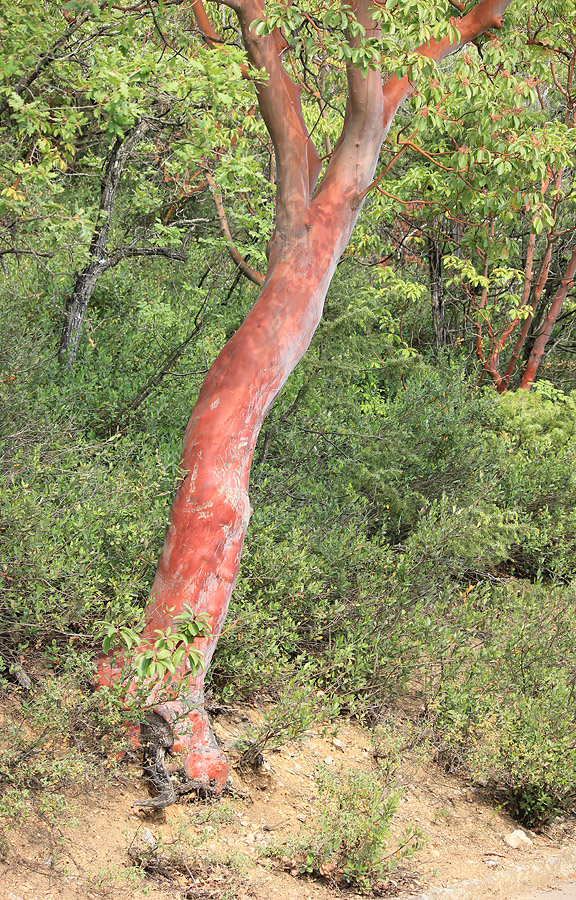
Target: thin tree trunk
[(87, 280), (548, 324), (437, 293)]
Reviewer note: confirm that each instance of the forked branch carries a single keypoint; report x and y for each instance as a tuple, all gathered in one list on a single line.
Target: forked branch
[(372, 107), (297, 160)]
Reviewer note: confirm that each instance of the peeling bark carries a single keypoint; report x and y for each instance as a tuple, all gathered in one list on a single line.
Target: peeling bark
[(208, 520)]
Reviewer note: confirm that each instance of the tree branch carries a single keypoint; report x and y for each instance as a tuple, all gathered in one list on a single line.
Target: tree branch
[(372, 107), (45, 60), (550, 320), (486, 15), (237, 257), (130, 252), (297, 160)]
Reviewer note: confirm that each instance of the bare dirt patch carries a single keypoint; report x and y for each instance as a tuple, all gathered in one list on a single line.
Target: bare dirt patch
[(106, 848)]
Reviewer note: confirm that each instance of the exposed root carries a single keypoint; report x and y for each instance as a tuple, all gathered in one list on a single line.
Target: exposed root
[(157, 741)]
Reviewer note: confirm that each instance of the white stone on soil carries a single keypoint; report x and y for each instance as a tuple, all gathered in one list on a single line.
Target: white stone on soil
[(518, 840)]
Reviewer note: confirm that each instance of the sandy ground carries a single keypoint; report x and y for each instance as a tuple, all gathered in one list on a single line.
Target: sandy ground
[(564, 890), (218, 851)]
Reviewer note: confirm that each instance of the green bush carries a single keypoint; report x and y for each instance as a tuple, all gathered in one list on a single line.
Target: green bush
[(505, 704), (347, 839)]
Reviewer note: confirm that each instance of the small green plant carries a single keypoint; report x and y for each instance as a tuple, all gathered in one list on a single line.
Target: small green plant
[(299, 706), (146, 666), (393, 740), (347, 839), (44, 749)]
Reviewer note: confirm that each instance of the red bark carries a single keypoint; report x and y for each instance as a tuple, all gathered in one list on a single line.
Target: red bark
[(554, 311), (209, 517)]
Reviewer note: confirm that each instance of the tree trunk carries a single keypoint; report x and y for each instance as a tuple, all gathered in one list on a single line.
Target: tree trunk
[(208, 520), (437, 293), (537, 353), (76, 307), (87, 280)]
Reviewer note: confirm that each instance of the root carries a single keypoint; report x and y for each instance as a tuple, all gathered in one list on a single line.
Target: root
[(157, 740)]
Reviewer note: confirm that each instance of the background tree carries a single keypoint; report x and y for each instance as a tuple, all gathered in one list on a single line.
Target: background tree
[(507, 241)]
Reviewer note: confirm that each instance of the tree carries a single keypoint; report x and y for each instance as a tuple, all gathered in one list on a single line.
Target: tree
[(314, 222), (100, 90), (496, 194)]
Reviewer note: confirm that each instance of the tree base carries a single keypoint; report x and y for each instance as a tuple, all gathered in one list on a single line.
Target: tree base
[(181, 753), (195, 752)]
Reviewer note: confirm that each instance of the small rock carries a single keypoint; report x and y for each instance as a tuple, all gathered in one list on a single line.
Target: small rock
[(329, 761), (298, 767), (518, 840), (338, 743), (301, 818), (148, 838), (493, 863)]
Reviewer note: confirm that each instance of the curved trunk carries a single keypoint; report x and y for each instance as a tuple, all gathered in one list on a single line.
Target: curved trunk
[(201, 554)]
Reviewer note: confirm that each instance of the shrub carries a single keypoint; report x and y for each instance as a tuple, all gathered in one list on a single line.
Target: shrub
[(347, 839), (299, 706), (506, 703)]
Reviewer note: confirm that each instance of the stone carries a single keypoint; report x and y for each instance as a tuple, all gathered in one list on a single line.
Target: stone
[(518, 840), (148, 838), (329, 761), (336, 742)]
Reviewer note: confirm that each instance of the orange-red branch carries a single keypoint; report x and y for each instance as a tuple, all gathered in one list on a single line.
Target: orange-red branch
[(554, 311), (235, 254)]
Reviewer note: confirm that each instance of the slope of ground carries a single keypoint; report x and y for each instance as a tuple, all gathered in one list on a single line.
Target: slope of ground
[(107, 848)]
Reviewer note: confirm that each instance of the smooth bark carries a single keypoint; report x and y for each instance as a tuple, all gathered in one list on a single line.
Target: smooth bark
[(201, 554), (550, 319)]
